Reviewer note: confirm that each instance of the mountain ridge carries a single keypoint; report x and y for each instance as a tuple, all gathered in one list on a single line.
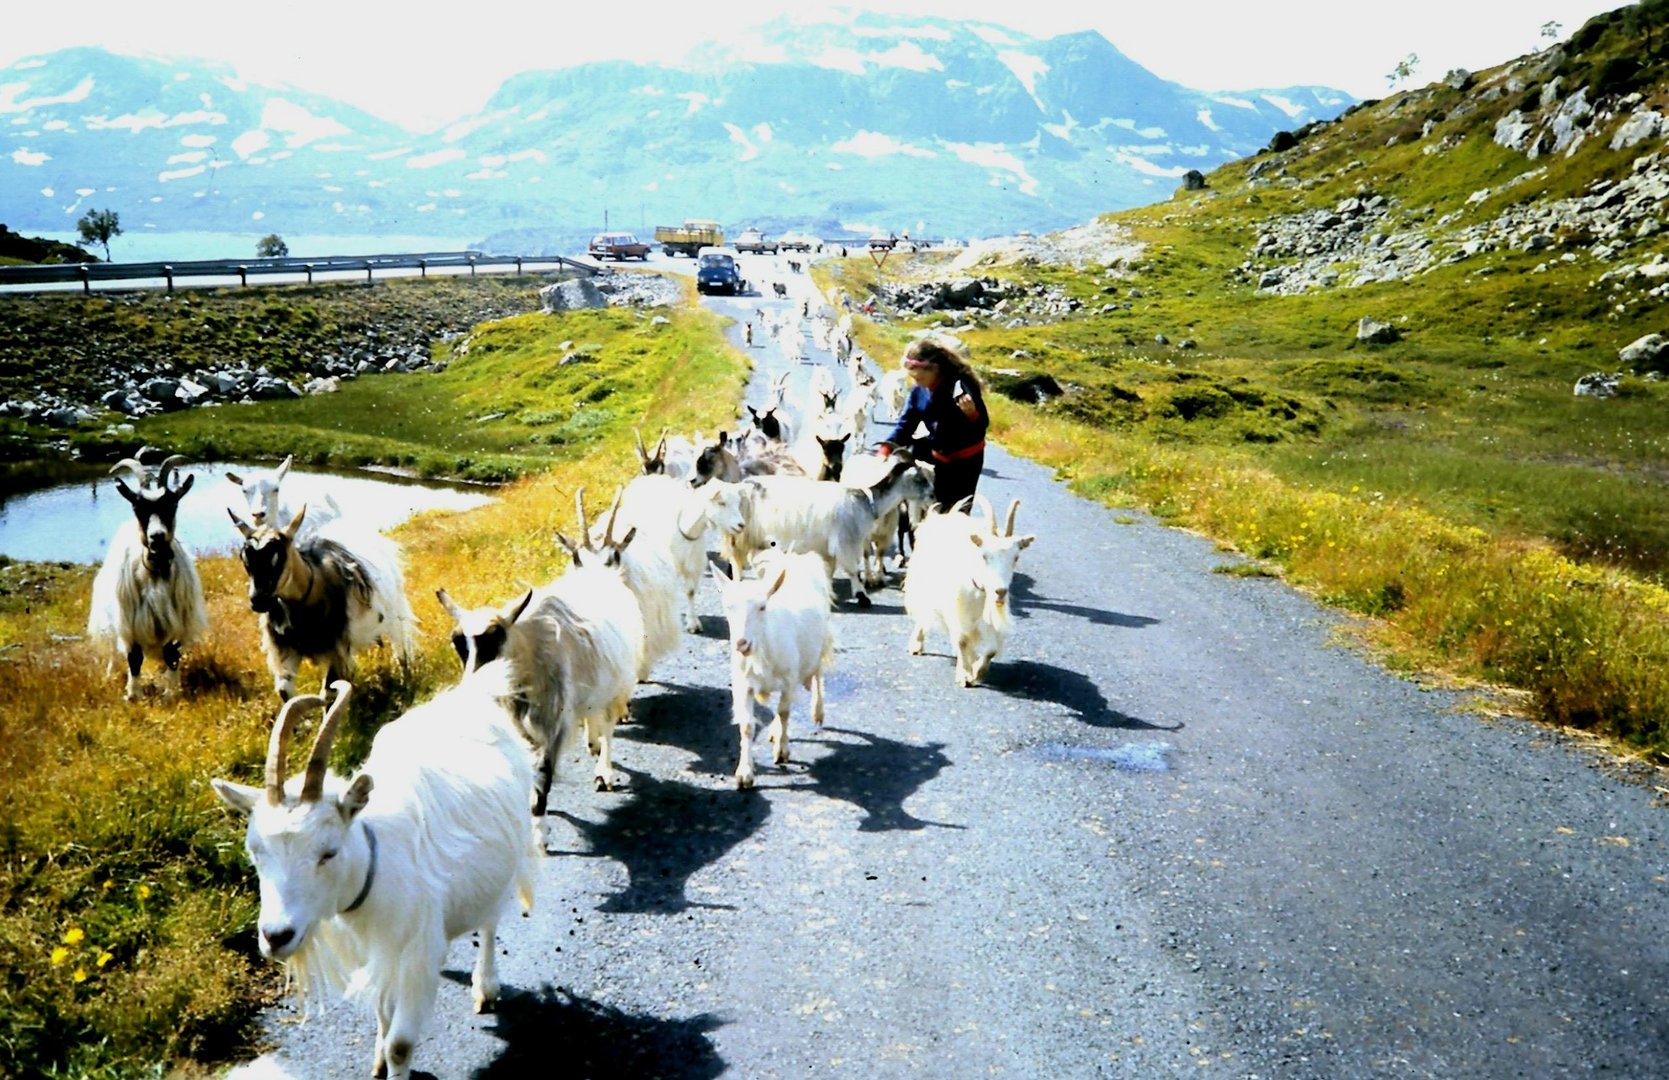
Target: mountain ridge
[(963, 129)]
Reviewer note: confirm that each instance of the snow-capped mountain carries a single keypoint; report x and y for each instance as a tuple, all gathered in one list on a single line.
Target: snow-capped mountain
[(921, 125)]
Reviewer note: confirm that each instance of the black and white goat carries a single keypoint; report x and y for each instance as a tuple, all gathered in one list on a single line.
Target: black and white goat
[(324, 597), (147, 599), (362, 888)]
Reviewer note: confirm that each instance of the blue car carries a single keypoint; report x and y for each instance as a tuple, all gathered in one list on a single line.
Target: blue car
[(716, 272)]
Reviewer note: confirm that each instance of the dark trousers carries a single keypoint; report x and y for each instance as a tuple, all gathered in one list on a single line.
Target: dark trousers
[(955, 480)]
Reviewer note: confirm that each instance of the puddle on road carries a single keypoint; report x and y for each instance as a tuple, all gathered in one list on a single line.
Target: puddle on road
[(1130, 757)]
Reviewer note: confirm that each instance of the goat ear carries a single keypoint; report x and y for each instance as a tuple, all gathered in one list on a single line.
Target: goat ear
[(235, 478), (1025, 541), (239, 797), (294, 526), (185, 487), (126, 492), (569, 546), (514, 612), (283, 469), (243, 526), (450, 605), (355, 798), (979, 540), (631, 534), (782, 576)]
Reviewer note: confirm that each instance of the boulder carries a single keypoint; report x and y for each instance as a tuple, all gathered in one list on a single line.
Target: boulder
[(1597, 384), (1374, 332), (572, 295), (1193, 180), (1650, 353), (1641, 125), (191, 393), (160, 390)]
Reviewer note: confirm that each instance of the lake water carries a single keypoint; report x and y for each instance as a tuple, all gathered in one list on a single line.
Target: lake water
[(74, 522), (138, 245)]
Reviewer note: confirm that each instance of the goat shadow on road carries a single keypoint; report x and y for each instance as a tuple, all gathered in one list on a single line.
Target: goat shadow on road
[(1071, 690), (1026, 599), (876, 774), (551, 1029)]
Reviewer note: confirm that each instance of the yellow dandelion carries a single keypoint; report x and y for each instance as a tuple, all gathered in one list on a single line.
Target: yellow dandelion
[(59, 955), (105, 957), (79, 975), (143, 892), (109, 885), (74, 936)]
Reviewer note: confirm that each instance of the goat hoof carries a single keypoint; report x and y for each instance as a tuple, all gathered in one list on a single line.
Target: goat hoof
[(743, 783), (863, 600), (601, 783)]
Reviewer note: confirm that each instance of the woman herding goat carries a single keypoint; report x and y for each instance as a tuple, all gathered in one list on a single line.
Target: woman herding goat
[(950, 402)]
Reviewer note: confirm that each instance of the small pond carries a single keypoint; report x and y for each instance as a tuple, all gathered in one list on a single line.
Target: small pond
[(74, 522)]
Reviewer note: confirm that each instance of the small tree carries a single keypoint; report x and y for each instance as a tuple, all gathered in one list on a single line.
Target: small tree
[(1404, 69), (99, 227), (1551, 28), (271, 246)]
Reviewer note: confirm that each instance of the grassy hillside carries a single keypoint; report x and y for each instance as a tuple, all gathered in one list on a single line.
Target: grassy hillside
[(1449, 481)]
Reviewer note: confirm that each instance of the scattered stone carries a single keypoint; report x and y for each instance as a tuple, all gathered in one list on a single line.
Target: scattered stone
[(1374, 332), (1649, 353), (1598, 384)]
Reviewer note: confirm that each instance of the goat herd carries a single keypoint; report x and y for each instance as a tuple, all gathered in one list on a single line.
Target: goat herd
[(362, 894)]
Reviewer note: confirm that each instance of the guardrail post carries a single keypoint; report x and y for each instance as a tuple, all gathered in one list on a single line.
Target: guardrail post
[(243, 276), (472, 266), (367, 273), (309, 268), (86, 279), (168, 275)]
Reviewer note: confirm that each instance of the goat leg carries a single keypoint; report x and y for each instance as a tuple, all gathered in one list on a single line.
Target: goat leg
[(171, 659), (135, 657)]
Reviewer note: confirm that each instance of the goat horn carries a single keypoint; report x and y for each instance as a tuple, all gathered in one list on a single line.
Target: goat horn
[(1008, 528), (166, 469), (313, 786), (984, 505), (613, 512), (643, 455), (133, 465), (280, 736), (579, 512)]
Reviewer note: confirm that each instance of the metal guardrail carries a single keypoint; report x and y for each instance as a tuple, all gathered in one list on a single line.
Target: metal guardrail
[(244, 269)]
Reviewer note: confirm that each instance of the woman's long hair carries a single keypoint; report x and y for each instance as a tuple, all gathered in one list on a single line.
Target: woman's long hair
[(948, 360)]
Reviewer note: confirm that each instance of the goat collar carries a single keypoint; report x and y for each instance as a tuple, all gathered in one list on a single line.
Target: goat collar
[(370, 873)]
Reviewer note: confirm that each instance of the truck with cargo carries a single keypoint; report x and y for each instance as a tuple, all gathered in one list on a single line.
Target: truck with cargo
[(690, 237)]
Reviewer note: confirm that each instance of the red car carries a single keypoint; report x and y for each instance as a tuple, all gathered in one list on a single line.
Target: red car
[(619, 246)]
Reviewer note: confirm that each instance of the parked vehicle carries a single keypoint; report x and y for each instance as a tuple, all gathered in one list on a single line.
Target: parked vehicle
[(716, 272), (796, 242), (755, 242), (690, 237), (619, 246), (880, 242)]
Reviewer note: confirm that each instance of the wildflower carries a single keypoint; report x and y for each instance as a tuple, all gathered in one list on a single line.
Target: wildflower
[(108, 885), (80, 975), (143, 892), (105, 956), (74, 936), (59, 955)]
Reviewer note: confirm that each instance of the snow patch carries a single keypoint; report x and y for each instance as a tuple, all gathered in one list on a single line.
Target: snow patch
[(839, 59), (250, 142), (30, 157), (1286, 105), (995, 156), (198, 141), (437, 157), (1026, 68), (932, 33), (190, 158), (993, 35), (387, 154), (297, 124), (696, 99), (10, 101), (1239, 103), (873, 144), (1064, 129), (56, 125), (181, 174), (740, 138), (1146, 167), (1204, 117), (909, 56)]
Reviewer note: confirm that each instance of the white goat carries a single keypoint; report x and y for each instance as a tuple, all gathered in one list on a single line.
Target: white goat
[(673, 456), (147, 599), (324, 596), (361, 891), (864, 470), (832, 519), (958, 581), (893, 395), (780, 641), (263, 493), (673, 519), (577, 647)]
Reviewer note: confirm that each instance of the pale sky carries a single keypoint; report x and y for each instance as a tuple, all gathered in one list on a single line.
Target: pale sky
[(422, 65)]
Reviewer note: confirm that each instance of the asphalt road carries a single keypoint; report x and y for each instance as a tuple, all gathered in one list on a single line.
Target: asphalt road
[(1182, 831)]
